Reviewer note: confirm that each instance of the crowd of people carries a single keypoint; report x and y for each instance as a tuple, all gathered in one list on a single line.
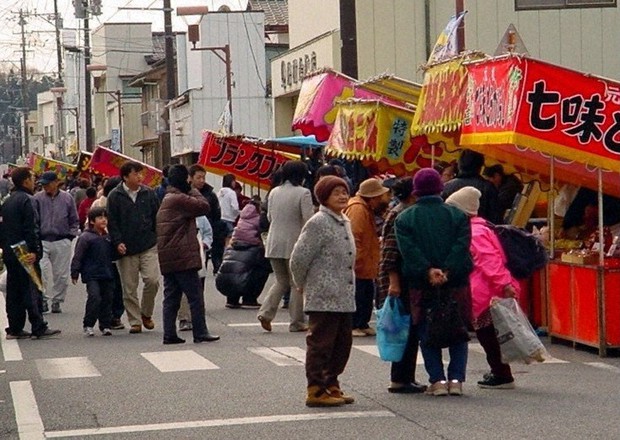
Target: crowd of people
[(335, 252)]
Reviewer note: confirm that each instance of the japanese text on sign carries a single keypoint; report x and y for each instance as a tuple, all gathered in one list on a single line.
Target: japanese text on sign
[(581, 117)]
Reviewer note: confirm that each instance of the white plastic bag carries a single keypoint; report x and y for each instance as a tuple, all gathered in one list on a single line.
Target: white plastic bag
[(517, 339)]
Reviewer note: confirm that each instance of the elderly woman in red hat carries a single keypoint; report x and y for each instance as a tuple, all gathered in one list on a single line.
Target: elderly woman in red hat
[(322, 266)]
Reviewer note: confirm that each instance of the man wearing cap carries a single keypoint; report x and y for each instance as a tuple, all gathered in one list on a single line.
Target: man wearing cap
[(59, 226), (371, 199)]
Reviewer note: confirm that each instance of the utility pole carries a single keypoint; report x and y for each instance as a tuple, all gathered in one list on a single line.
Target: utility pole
[(460, 31), (88, 123), (58, 25), (22, 23), (171, 87)]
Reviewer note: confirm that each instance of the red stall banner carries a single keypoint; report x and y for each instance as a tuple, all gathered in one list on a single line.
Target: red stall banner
[(108, 163), (538, 105), (249, 162)]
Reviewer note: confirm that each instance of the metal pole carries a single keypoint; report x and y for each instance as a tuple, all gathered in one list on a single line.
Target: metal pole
[(58, 46), (460, 32), (120, 121), (229, 83), (171, 91), (26, 147), (88, 126)]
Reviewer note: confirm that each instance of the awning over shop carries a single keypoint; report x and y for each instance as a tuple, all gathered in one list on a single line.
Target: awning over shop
[(315, 112), (41, 164), (394, 88), (146, 143), (544, 107), (251, 160), (378, 132), (108, 163)]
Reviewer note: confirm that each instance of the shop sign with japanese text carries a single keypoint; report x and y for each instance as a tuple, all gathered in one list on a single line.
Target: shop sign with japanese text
[(538, 105), (249, 162)]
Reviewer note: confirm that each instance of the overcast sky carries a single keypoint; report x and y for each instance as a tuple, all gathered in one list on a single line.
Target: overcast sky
[(40, 36)]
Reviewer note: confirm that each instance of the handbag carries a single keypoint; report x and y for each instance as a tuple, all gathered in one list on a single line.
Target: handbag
[(392, 329), (445, 325)]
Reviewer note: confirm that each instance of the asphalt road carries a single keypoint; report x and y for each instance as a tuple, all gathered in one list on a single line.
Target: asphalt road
[(251, 384)]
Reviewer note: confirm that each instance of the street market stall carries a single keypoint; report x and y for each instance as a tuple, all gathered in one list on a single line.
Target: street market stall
[(539, 114)]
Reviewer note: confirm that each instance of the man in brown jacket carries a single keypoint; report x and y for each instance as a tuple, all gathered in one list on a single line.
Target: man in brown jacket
[(372, 198), (179, 254)]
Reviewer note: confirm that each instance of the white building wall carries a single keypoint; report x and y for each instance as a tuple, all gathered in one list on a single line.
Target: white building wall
[(308, 19)]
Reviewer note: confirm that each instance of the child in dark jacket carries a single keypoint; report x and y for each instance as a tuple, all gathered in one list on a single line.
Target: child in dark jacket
[(93, 259)]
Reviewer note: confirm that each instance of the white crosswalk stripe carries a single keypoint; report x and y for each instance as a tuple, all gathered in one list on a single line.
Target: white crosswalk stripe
[(281, 356), (181, 360), (66, 368)]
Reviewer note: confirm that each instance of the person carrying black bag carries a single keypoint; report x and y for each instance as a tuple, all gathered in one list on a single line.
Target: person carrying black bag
[(433, 239)]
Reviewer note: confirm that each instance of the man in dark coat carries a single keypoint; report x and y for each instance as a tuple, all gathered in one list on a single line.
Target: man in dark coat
[(179, 254), (508, 186), (470, 164), (19, 224), (132, 208)]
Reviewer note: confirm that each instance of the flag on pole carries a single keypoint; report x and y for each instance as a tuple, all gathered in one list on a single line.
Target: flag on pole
[(225, 119), (447, 46)]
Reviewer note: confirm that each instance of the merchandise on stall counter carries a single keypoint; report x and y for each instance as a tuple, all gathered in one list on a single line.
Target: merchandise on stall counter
[(21, 251)]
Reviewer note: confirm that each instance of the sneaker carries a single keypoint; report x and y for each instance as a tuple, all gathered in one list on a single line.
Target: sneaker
[(89, 331), (369, 331), (56, 307), (490, 381), (48, 333), (185, 325), (148, 322), (251, 305), (232, 306), (264, 323), (455, 388), (117, 324), (301, 328), (106, 332), (135, 329), (439, 388), (358, 333), (20, 335)]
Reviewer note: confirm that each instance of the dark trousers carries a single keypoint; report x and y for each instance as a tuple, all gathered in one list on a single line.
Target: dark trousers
[(99, 303), (118, 308), (217, 249), (255, 288), (22, 297), (175, 285), (404, 371), (328, 344), (364, 296), (488, 340)]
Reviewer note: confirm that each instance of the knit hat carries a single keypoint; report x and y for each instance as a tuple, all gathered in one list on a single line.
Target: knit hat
[(177, 177), (370, 188), (324, 187), (427, 182), (467, 199)]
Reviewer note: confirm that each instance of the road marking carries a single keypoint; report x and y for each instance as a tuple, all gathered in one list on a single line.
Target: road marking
[(255, 324), (66, 368), (10, 347), (603, 366), (373, 350), (281, 356), (219, 422), (182, 360), (29, 423)]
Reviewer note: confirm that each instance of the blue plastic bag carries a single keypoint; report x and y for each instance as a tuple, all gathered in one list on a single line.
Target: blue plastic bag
[(392, 329)]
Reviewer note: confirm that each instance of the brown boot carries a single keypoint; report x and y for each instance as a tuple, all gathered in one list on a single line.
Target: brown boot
[(318, 396), (335, 391)]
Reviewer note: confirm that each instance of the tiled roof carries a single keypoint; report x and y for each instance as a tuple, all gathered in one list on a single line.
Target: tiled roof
[(276, 11)]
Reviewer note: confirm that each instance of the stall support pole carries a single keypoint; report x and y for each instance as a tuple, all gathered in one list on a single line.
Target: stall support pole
[(600, 279), (551, 214)]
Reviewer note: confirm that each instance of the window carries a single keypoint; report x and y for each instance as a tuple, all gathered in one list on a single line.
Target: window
[(561, 4)]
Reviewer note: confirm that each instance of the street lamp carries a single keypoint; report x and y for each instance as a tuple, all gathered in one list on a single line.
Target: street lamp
[(97, 71), (59, 94), (222, 52)]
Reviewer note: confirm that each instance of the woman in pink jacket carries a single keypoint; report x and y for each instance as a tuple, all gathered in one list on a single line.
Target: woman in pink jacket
[(490, 278)]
